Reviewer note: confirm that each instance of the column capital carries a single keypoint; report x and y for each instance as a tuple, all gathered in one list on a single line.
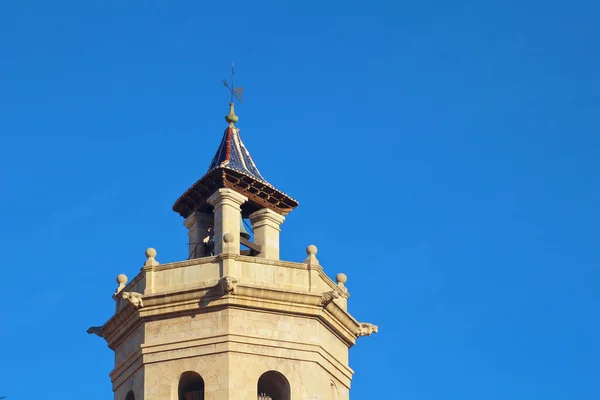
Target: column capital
[(195, 217), (226, 195), (266, 223), (264, 216)]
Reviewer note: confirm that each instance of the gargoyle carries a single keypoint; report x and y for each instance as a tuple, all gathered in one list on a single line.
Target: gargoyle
[(134, 298), (96, 330), (366, 329), (229, 285), (328, 297)]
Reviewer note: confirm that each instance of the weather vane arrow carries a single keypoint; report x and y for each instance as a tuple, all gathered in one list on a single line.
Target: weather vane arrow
[(236, 92)]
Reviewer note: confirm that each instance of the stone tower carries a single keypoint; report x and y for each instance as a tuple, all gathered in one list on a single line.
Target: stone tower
[(233, 321)]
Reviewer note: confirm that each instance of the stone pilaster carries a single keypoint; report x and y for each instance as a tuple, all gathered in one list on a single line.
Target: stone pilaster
[(148, 270), (200, 227), (227, 214), (265, 224), (312, 262)]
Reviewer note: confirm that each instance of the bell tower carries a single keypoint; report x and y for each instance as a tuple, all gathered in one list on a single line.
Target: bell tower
[(232, 321)]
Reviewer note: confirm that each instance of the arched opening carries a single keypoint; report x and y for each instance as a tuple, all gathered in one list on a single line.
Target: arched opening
[(130, 395), (273, 386), (191, 386), (334, 391)]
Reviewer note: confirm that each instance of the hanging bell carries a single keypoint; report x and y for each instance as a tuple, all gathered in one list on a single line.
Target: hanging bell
[(243, 232)]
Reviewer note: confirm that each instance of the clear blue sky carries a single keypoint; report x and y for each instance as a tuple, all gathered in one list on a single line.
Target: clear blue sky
[(445, 155)]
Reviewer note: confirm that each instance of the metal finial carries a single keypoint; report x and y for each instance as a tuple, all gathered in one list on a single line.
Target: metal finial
[(231, 117), (236, 93)]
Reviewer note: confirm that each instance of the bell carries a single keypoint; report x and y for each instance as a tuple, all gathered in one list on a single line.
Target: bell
[(243, 232)]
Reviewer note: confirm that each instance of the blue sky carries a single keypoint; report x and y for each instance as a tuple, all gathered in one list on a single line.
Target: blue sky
[(445, 155)]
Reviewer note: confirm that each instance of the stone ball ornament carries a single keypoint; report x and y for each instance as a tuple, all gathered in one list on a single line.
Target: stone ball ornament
[(228, 237), (150, 252), (312, 249), (121, 279), (341, 278)]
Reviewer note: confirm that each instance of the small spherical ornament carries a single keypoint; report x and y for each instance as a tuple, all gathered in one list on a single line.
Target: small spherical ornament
[(150, 252), (341, 278), (228, 237), (121, 279), (312, 249)]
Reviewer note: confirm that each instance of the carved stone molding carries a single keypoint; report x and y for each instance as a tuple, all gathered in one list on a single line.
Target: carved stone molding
[(134, 298), (366, 329), (229, 285), (244, 295), (328, 297)]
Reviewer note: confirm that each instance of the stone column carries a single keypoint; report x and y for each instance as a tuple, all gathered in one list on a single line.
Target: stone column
[(199, 230), (265, 224), (227, 215)]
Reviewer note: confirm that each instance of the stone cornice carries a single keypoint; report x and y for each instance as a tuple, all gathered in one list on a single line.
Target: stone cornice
[(210, 296), (232, 343), (120, 325), (126, 368)]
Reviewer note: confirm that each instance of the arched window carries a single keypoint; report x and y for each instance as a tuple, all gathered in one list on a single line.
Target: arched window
[(191, 386), (130, 395), (273, 386)]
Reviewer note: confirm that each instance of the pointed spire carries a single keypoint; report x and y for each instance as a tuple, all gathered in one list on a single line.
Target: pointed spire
[(232, 153), (232, 167)]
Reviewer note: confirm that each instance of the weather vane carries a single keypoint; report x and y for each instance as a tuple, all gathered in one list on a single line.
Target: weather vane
[(235, 91)]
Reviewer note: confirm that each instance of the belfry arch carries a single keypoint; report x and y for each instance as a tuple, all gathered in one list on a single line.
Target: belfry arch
[(191, 386), (272, 385)]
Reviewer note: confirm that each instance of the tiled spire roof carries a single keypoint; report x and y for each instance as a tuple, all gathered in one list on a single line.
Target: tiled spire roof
[(232, 167), (233, 154)]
